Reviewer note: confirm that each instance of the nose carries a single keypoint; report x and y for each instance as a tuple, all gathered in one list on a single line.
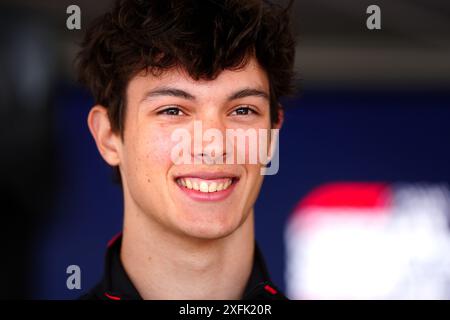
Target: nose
[(209, 145)]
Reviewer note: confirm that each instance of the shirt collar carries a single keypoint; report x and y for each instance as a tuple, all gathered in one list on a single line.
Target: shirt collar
[(118, 286)]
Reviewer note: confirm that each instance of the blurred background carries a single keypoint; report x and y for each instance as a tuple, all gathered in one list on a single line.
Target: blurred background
[(359, 209)]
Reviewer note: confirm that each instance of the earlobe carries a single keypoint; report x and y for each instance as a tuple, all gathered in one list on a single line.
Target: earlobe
[(107, 141)]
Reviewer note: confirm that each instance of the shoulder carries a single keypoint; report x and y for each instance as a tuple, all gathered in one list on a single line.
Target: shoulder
[(95, 293)]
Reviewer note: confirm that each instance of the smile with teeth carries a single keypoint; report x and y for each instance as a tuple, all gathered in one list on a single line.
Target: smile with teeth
[(205, 186)]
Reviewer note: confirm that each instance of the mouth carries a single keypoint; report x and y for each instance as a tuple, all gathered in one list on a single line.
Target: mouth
[(206, 187)]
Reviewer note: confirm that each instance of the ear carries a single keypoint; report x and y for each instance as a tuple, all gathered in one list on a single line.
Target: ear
[(279, 123), (276, 125), (108, 142)]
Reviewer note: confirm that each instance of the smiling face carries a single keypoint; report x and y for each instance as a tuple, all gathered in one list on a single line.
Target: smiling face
[(198, 200)]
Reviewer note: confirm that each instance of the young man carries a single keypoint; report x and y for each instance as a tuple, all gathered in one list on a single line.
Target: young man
[(158, 66)]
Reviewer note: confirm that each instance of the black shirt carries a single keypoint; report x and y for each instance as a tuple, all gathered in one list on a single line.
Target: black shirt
[(116, 285)]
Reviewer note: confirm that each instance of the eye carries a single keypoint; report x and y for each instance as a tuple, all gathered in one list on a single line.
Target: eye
[(171, 111), (243, 111)]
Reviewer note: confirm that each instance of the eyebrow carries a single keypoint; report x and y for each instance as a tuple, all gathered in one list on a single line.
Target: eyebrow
[(174, 92), (248, 92), (169, 91)]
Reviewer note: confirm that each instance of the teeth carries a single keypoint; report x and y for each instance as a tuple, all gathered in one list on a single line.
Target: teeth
[(204, 185), (212, 187), (195, 186)]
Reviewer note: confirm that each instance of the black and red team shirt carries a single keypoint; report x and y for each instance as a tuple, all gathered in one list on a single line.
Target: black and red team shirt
[(116, 285)]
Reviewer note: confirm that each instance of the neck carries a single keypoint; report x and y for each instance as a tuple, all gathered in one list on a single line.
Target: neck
[(169, 266)]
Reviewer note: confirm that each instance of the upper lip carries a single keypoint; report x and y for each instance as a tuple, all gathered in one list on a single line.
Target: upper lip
[(207, 175)]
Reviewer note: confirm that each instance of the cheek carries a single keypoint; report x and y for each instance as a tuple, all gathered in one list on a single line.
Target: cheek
[(256, 148), (254, 174), (151, 153), (157, 148)]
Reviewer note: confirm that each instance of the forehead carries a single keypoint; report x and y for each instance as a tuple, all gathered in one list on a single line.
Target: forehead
[(252, 75)]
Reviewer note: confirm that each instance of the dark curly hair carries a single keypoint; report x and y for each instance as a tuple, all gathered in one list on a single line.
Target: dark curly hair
[(202, 36)]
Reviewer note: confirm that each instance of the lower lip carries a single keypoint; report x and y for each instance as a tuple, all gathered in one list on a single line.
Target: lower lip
[(210, 196)]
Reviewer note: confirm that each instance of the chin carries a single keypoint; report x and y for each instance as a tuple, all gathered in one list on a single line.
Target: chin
[(210, 229)]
